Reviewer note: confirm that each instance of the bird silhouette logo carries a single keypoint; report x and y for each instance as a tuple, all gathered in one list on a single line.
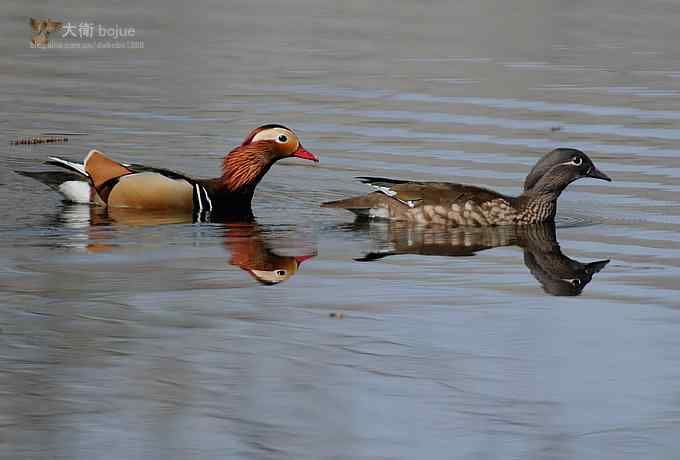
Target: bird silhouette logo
[(41, 29)]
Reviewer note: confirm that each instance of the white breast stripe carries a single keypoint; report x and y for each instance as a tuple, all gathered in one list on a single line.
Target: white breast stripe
[(198, 198), (207, 198)]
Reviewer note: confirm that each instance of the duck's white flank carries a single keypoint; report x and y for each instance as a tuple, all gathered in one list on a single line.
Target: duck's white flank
[(77, 191)]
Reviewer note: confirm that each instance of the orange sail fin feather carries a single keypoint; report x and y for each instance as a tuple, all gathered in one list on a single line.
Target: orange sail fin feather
[(102, 169)]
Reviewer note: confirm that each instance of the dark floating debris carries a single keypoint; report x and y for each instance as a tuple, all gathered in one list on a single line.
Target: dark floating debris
[(40, 140), (51, 133)]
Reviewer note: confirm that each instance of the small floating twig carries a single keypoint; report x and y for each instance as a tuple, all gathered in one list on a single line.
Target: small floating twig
[(39, 140), (63, 134)]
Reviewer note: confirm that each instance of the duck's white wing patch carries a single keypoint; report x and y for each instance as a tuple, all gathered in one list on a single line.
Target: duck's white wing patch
[(386, 190), (391, 193)]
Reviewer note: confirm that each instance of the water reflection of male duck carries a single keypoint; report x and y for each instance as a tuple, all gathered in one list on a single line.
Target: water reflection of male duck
[(249, 244), (251, 251), (558, 274)]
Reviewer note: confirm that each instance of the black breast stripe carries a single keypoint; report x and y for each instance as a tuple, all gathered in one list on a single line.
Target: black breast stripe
[(202, 203), (104, 190)]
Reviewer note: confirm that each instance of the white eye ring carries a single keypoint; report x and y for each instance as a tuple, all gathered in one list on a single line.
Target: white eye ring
[(281, 272), (282, 138), (577, 161)]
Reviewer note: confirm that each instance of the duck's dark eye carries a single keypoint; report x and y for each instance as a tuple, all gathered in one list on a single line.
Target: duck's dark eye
[(576, 282), (282, 138), (281, 272), (577, 161)]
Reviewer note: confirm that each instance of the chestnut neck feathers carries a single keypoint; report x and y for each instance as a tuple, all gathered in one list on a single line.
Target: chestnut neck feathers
[(245, 166)]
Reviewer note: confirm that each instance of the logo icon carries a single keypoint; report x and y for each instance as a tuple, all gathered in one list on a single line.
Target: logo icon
[(41, 30)]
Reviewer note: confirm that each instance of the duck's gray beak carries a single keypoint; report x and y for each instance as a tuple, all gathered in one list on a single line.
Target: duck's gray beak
[(597, 174)]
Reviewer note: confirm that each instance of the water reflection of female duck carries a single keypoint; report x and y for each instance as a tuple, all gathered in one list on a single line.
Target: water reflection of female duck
[(248, 244), (558, 274)]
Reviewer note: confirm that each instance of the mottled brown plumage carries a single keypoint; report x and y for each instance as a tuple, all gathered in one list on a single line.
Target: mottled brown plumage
[(467, 205)]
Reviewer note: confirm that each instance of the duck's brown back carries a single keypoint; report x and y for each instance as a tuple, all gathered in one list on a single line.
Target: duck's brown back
[(434, 203)]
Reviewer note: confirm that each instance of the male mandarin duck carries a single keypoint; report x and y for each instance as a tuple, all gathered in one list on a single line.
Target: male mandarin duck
[(103, 181), (466, 205)]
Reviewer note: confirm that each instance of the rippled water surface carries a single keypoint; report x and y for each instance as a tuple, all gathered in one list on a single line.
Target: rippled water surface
[(128, 336)]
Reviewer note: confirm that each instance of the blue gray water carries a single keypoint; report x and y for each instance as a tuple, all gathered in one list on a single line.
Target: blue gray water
[(127, 336)]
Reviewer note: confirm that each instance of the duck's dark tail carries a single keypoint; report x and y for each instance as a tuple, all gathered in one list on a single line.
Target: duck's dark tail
[(72, 181), (53, 179)]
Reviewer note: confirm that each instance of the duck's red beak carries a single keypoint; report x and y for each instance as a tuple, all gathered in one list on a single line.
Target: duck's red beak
[(300, 259), (304, 154)]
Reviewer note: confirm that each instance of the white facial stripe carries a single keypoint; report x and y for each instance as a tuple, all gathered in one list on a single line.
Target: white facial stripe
[(272, 134), (571, 163)]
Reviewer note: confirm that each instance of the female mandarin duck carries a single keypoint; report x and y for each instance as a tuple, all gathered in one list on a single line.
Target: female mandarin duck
[(458, 205), (101, 180)]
